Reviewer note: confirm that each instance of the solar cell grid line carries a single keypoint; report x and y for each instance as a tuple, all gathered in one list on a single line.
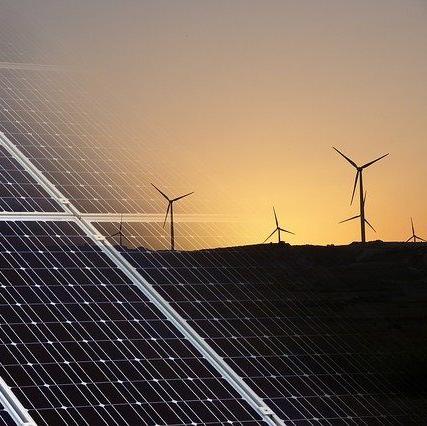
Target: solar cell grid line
[(34, 173), (288, 344), (19, 192), (97, 350)]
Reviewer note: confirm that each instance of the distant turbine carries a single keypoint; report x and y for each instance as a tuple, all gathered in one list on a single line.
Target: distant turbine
[(359, 176), (120, 233), (414, 237), (357, 216), (278, 229), (170, 208)]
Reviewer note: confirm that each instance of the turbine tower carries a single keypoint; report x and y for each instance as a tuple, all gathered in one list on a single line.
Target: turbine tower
[(414, 237), (278, 229), (359, 178), (119, 233), (170, 209), (357, 216)]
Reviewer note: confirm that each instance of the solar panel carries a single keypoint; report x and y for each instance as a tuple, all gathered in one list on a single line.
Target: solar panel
[(45, 114), (287, 341), (81, 344), (18, 190)]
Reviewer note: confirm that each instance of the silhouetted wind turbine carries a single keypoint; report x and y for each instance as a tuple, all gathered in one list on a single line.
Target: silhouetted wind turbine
[(278, 229), (357, 216), (359, 177), (414, 237), (119, 233), (170, 209)]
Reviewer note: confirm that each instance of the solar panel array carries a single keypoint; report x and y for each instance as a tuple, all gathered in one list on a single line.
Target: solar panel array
[(81, 344), (288, 343)]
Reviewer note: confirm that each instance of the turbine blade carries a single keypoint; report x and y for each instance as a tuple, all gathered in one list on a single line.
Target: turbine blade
[(182, 196), (167, 212), (285, 230), (412, 225), (350, 218), (374, 161), (275, 217), (409, 239), (270, 236), (354, 187), (364, 198), (164, 195), (114, 235), (348, 159), (370, 226), (419, 238)]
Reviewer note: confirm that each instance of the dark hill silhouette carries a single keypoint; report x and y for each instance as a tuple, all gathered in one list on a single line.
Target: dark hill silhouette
[(353, 318)]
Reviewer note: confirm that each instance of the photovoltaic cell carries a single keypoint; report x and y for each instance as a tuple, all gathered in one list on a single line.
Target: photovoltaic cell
[(18, 190), (259, 310), (82, 345)]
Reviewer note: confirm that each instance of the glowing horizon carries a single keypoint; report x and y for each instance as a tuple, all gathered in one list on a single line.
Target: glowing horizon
[(249, 97)]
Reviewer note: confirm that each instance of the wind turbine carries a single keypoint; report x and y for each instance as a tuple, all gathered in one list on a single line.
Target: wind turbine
[(119, 233), (278, 229), (170, 209), (359, 177), (357, 216), (414, 237)]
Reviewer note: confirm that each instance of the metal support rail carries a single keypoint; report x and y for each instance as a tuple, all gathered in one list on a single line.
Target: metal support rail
[(12, 405)]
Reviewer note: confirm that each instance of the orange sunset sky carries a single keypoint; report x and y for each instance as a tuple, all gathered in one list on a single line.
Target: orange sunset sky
[(255, 93)]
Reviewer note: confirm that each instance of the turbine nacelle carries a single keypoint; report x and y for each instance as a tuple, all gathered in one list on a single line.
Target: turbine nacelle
[(359, 169)]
